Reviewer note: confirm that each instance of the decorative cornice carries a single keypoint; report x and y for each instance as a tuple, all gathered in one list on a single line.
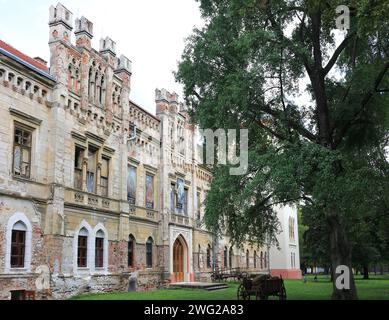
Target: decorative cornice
[(24, 116), (94, 137), (133, 161), (108, 150), (78, 136), (151, 168), (179, 174)]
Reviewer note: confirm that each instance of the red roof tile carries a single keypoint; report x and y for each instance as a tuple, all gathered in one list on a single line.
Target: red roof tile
[(22, 56)]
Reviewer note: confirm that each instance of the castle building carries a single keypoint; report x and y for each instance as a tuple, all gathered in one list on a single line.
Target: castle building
[(97, 194)]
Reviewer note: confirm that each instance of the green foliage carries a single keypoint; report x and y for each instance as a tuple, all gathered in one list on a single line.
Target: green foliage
[(324, 152)]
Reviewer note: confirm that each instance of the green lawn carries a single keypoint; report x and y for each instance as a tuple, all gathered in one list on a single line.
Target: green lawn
[(377, 288)]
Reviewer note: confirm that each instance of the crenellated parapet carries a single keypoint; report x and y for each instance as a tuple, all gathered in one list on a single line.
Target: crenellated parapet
[(60, 23), (95, 80), (84, 32), (166, 101)]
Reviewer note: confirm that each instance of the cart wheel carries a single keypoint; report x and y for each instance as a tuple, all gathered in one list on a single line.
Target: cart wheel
[(242, 293), (283, 293)]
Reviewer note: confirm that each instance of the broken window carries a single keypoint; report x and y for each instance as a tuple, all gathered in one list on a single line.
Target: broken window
[(22, 151), (91, 170), (104, 177), (78, 157)]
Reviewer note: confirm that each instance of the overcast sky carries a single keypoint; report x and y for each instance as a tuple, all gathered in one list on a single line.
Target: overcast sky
[(151, 33)]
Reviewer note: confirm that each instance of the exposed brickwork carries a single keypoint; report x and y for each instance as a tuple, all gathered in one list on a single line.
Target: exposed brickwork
[(81, 108)]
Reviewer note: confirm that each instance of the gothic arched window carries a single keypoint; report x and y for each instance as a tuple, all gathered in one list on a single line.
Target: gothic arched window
[(99, 249), (225, 257), (199, 258), (149, 252), (18, 245), (230, 256), (82, 248), (131, 251), (209, 256)]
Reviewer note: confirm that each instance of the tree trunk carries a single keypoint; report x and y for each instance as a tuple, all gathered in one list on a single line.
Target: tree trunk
[(365, 272), (340, 256)]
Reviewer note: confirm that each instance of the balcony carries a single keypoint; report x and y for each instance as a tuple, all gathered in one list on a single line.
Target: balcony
[(143, 214), (180, 219), (93, 201)]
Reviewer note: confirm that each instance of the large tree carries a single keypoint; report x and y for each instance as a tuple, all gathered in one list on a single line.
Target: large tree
[(315, 102)]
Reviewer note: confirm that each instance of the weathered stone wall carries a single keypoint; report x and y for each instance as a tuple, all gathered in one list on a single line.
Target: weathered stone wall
[(67, 287), (65, 109)]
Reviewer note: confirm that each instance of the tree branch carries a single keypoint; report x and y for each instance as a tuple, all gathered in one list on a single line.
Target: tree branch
[(291, 46), (337, 53), (364, 103), (272, 132), (301, 130)]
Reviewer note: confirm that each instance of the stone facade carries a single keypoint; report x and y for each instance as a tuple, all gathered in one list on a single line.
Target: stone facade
[(73, 179)]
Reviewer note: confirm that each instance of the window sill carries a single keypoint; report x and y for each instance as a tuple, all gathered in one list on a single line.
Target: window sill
[(27, 180), (18, 271), (100, 271)]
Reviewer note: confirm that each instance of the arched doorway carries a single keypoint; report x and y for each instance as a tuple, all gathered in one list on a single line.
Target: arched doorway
[(179, 253)]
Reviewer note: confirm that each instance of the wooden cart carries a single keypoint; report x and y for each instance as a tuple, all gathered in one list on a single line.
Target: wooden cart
[(262, 287), (223, 275)]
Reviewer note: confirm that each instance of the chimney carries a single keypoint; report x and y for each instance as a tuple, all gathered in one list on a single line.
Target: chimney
[(40, 60)]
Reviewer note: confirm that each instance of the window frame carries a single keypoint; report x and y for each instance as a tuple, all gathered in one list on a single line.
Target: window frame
[(225, 260), (186, 202), (149, 253), (104, 190), (20, 247), (261, 258), (84, 250), (99, 252), (209, 258), (78, 170), (23, 128), (131, 261), (94, 151), (132, 201), (150, 205)]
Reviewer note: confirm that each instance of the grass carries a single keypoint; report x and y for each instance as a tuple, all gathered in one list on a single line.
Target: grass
[(377, 288)]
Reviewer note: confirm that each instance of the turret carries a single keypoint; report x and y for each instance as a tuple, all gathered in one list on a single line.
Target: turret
[(124, 70), (107, 46), (60, 24), (84, 33)]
